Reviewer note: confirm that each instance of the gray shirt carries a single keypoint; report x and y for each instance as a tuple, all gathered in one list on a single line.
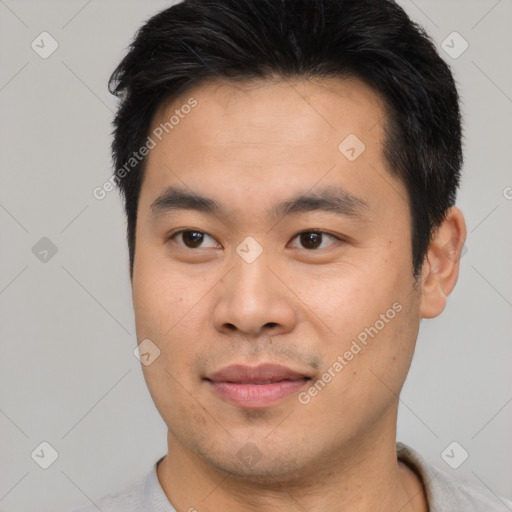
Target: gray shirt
[(444, 492)]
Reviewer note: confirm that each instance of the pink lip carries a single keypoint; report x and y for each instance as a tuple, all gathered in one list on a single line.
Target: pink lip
[(256, 387)]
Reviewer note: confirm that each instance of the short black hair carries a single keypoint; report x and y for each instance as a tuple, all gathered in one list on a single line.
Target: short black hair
[(239, 40)]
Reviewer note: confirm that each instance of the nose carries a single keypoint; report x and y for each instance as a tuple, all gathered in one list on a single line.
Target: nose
[(253, 301)]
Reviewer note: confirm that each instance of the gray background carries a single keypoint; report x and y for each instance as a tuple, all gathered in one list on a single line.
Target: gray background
[(68, 374)]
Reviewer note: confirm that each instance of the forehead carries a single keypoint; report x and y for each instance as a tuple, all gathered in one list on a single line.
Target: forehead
[(264, 108), (268, 137)]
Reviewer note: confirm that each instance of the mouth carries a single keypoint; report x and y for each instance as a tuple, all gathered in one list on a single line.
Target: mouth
[(256, 387)]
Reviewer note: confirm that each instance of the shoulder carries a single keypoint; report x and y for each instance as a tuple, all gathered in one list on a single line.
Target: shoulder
[(141, 496), (129, 499), (446, 493)]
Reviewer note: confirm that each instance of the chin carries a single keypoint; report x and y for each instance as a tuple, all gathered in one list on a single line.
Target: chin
[(258, 464)]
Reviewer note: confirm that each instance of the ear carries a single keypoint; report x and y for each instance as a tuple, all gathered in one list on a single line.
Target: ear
[(441, 265)]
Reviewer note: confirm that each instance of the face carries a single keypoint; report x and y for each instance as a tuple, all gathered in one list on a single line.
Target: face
[(270, 232)]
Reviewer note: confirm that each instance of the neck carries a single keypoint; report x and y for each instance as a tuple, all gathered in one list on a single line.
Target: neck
[(361, 477)]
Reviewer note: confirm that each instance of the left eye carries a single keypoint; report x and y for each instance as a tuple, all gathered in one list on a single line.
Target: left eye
[(314, 239), (193, 239)]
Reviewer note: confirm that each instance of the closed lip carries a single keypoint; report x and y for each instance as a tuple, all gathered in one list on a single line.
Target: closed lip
[(265, 373)]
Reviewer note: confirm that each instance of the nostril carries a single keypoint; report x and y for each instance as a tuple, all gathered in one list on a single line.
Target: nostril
[(270, 324)]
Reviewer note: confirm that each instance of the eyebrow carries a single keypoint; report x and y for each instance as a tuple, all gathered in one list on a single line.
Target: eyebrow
[(331, 199)]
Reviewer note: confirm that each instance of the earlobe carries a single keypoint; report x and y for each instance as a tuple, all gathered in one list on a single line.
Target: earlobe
[(441, 266)]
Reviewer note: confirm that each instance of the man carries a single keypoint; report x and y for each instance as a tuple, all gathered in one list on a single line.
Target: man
[(289, 170)]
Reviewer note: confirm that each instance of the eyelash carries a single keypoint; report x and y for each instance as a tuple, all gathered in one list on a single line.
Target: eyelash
[(308, 231)]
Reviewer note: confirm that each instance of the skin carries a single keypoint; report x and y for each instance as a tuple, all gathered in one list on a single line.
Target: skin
[(249, 147)]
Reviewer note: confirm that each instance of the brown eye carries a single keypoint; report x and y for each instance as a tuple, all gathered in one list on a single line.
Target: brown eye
[(193, 239), (311, 240), (314, 239)]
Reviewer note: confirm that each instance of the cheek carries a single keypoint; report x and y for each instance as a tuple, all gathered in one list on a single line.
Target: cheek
[(164, 297), (372, 321), (367, 377), (181, 412), (170, 309), (348, 299), (167, 313)]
